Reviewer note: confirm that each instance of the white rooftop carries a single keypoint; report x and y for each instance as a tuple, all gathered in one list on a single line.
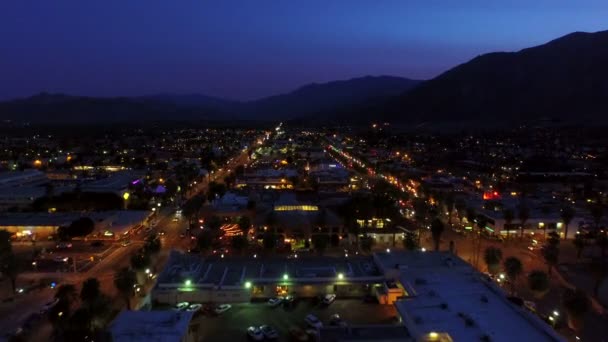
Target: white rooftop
[(445, 294), (150, 326)]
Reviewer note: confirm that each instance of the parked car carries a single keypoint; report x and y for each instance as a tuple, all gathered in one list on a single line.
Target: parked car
[(297, 334), (289, 300), (222, 308), (274, 302), (64, 245), (255, 333), (48, 306), (329, 298), (182, 306), (194, 307), (269, 332), (60, 259), (313, 321), (336, 320)]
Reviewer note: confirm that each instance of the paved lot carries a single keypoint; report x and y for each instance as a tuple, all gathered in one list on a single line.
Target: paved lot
[(231, 325)]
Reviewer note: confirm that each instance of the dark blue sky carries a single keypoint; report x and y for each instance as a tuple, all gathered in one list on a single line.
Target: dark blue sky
[(253, 48)]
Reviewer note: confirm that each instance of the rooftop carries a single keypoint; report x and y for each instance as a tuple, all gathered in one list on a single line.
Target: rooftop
[(150, 326), (446, 295), (235, 271)]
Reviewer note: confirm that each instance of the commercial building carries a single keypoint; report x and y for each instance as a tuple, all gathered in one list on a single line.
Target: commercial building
[(153, 326), (438, 296), (29, 177)]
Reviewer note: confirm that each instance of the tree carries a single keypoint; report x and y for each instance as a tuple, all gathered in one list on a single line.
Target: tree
[(81, 227), (523, 214), (513, 267), (90, 291), (66, 293), (471, 215), (577, 304), (449, 205), (239, 243), (410, 242), (271, 220), (367, 242), (214, 223), (508, 215), (204, 241), (538, 281), (421, 209), (602, 242), (597, 212), (244, 223), (270, 241), (124, 281), (320, 242), (10, 268), (437, 229), (580, 243), (550, 253), (152, 244), (492, 256), (567, 214), (460, 206), (140, 261)]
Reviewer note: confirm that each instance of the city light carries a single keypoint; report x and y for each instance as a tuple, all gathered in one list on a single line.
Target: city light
[(248, 285), (147, 271), (188, 282), (388, 250), (340, 276), (125, 196), (285, 276), (423, 249)]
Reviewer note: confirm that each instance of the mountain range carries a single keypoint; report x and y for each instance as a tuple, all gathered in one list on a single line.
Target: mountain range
[(564, 80), (301, 103)]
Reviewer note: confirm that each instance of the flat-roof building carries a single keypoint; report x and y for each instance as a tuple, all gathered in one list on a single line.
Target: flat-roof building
[(153, 326)]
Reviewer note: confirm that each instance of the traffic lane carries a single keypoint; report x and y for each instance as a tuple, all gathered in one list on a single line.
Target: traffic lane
[(16, 312)]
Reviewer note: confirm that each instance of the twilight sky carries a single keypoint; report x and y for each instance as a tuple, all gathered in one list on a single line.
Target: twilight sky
[(253, 48)]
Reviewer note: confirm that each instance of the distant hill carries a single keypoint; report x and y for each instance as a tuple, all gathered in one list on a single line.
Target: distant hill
[(59, 108), (304, 102), (315, 98), (564, 80)]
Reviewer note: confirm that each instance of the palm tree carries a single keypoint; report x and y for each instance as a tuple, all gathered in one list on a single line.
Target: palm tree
[(523, 214), (244, 223), (567, 214), (508, 215), (90, 291), (579, 243), (602, 242), (492, 256), (410, 242), (239, 243), (124, 281), (513, 268), (460, 206), (367, 242), (597, 212), (437, 229), (551, 255), (449, 206), (538, 281), (576, 304)]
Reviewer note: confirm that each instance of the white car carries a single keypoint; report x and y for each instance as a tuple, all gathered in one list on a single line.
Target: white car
[(182, 306), (274, 302), (313, 321), (222, 308), (269, 332), (255, 333), (336, 320), (329, 298), (194, 307)]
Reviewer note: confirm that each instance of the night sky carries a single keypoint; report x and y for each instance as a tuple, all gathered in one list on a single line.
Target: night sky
[(253, 48)]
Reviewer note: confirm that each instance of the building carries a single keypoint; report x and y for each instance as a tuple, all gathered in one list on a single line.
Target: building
[(437, 295), (448, 300), (29, 177), (232, 279), (117, 183), (153, 326)]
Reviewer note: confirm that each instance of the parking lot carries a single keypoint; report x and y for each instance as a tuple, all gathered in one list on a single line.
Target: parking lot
[(232, 325)]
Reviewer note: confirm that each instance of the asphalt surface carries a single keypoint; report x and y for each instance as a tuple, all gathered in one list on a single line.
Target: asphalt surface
[(232, 324)]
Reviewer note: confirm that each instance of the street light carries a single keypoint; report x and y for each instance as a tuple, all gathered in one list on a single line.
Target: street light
[(285, 276), (188, 282), (247, 284), (340, 276)]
